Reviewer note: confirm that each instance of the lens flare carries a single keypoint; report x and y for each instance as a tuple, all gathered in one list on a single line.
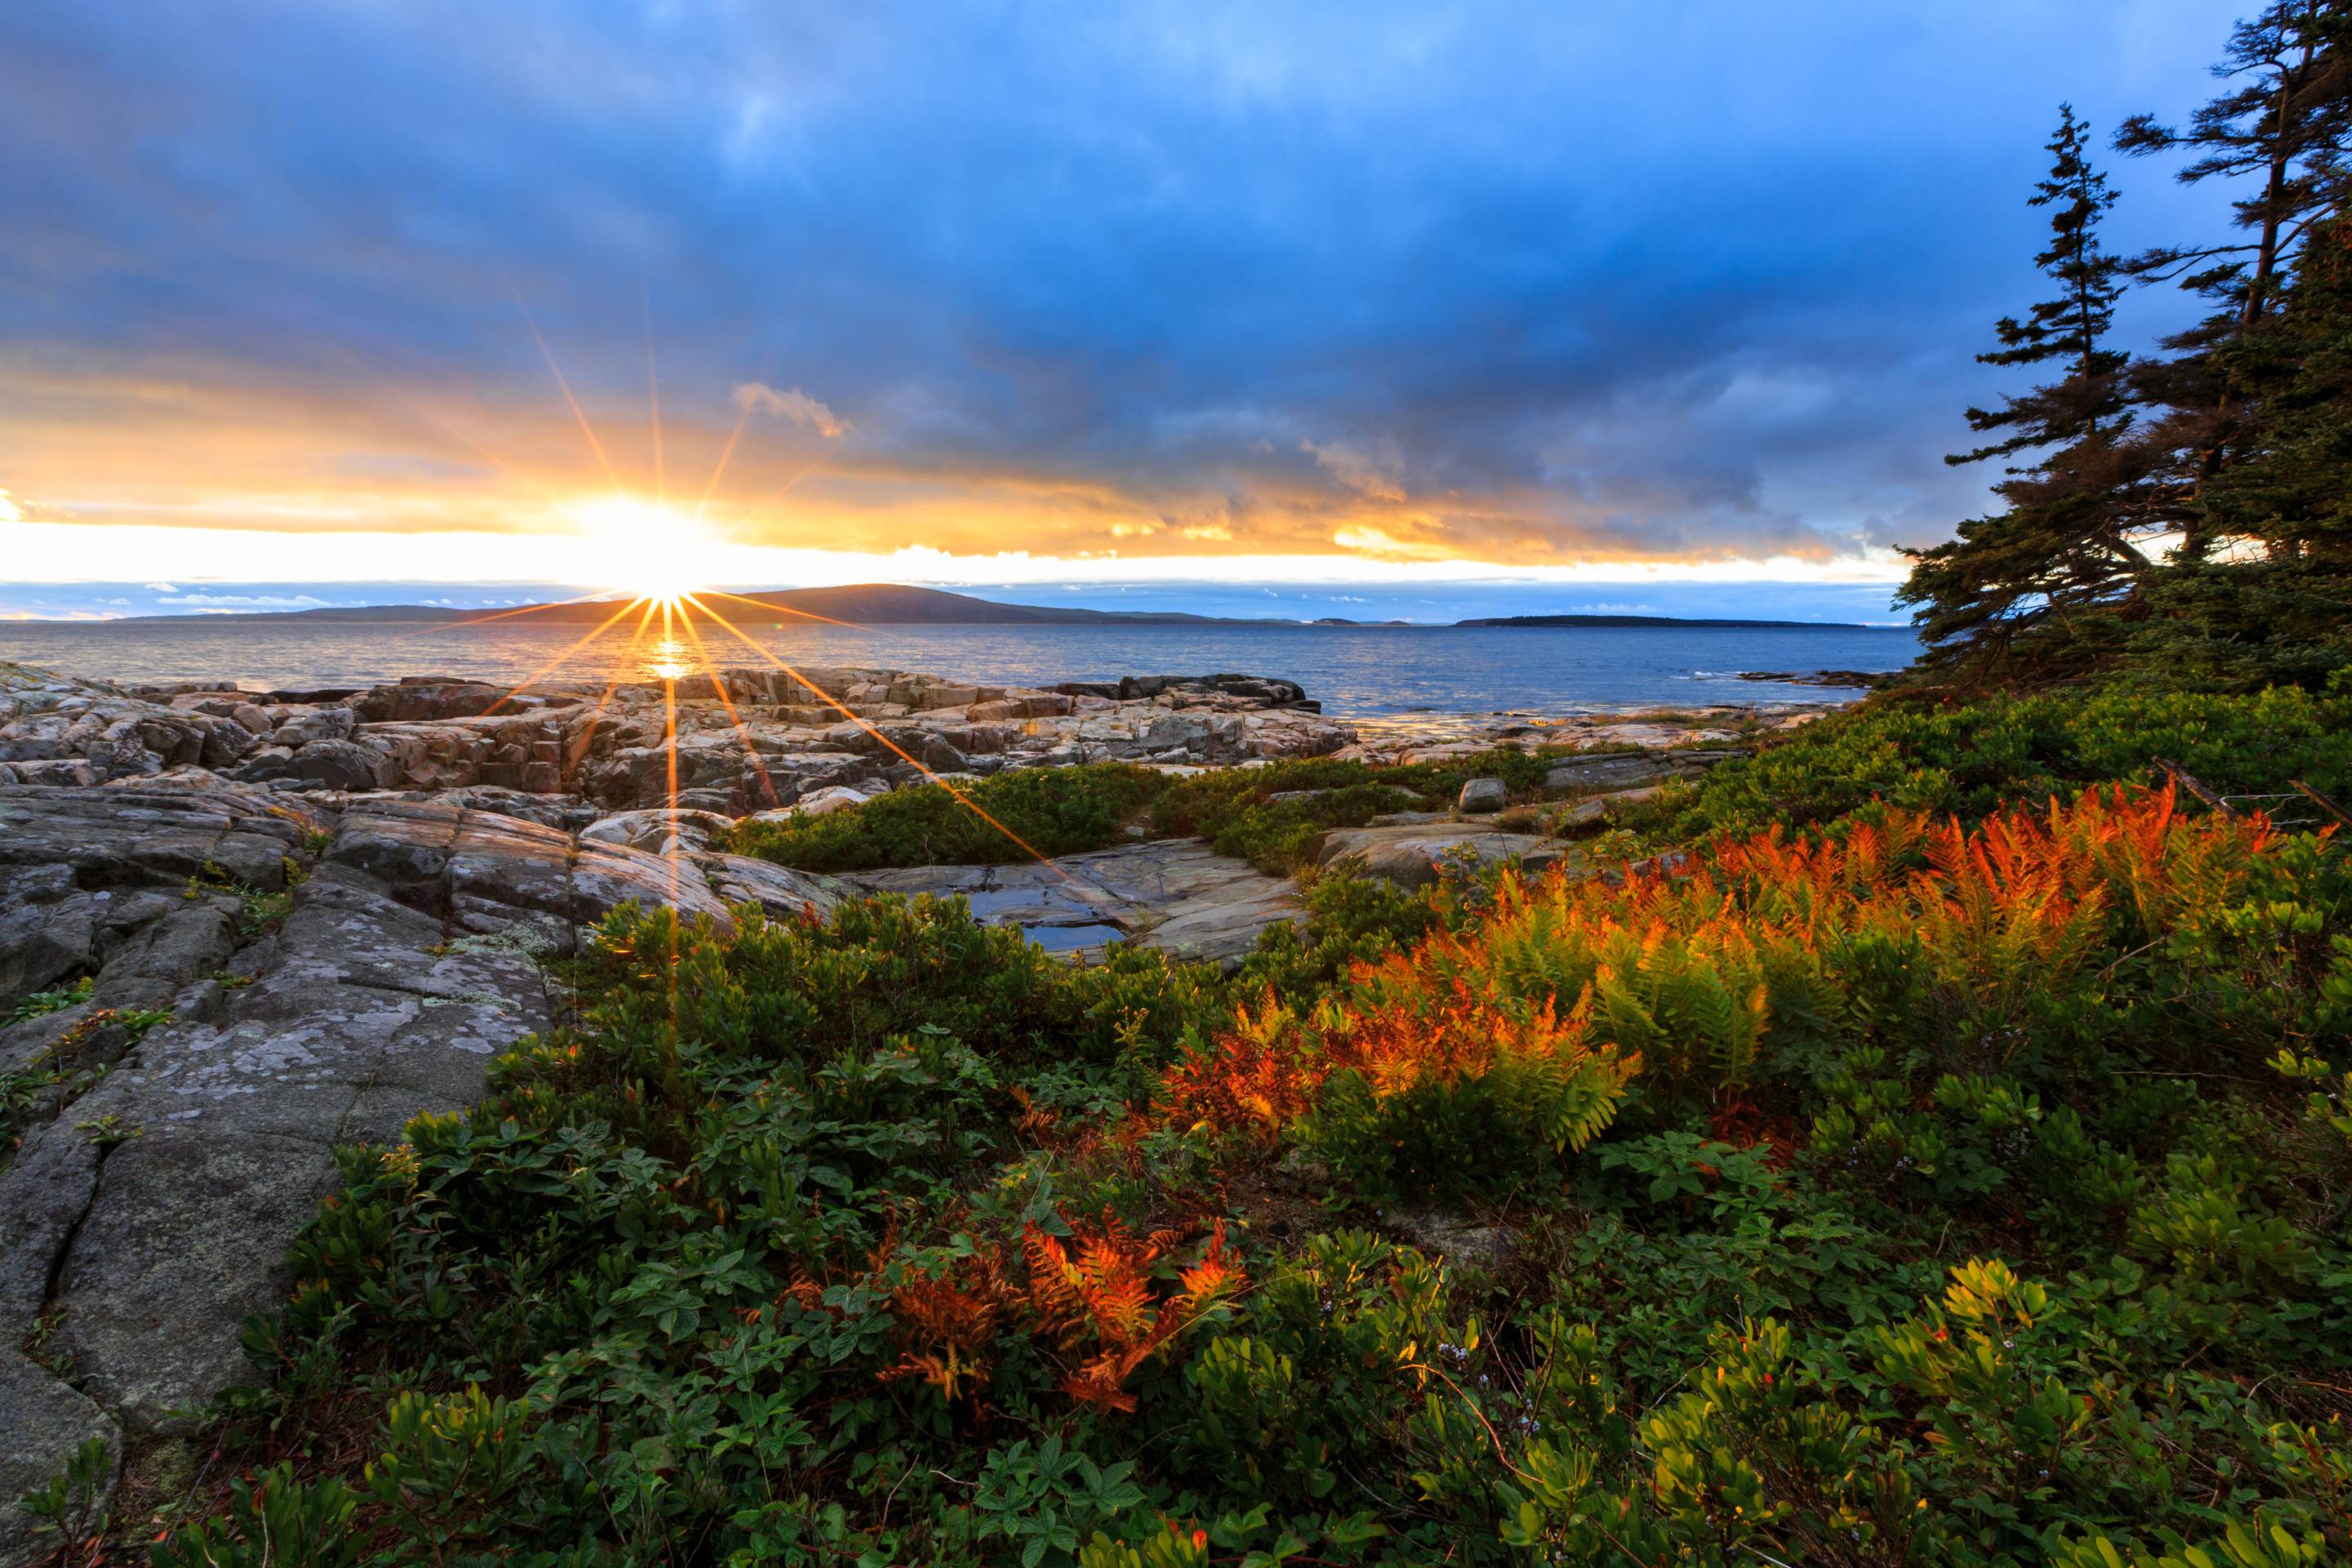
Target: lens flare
[(642, 547)]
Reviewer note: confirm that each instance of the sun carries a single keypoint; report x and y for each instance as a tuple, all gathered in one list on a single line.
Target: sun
[(641, 547)]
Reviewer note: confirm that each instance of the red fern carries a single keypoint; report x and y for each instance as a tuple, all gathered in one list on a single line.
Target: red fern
[(1684, 967), (1101, 1303)]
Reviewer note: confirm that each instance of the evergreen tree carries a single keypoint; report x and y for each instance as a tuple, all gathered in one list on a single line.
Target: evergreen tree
[(2019, 585), (2282, 123), (2279, 612), (2070, 327)]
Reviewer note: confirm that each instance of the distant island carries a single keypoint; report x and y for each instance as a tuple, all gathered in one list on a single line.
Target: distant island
[(1668, 621), (894, 603)]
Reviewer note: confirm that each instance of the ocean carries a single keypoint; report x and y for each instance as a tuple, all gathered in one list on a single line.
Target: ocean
[(1356, 671)]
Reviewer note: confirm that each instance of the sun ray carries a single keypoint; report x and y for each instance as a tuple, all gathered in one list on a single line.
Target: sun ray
[(719, 468), (773, 496), (544, 669), (782, 609), (360, 359), (594, 597), (1087, 894), (620, 667), (653, 398), (453, 433), (577, 411), (669, 741), (727, 701)]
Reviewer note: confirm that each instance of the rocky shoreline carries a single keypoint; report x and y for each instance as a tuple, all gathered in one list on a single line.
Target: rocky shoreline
[(764, 741), (238, 929)]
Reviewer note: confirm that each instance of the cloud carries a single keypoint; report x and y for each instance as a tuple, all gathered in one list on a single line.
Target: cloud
[(245, 602), (9, 511), (795, 405), (1382, 545), (162, 588), (1393, 280), (1376, 471)]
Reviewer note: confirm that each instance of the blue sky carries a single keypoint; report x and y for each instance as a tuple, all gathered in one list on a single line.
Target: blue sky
[(1012, 294)]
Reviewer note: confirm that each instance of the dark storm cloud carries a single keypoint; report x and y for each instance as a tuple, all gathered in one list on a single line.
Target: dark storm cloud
[(1659, 281)]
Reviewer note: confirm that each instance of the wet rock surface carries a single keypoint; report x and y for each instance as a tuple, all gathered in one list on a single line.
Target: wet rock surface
[(1175, 894)]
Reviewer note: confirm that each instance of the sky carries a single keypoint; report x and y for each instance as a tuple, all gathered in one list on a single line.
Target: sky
[(1508, 305)]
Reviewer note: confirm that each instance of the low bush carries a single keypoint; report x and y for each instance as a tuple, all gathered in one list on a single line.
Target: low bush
[(1053, 811), (1921, 1192), (1972, 756), (1236, 810), (1072, 810), (40, 1003)]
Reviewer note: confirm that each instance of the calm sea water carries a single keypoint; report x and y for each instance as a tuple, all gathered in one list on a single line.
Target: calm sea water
[(1356, 671)]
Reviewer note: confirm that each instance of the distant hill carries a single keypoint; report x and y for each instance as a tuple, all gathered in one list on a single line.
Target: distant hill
[(893, 604), (864, 604), (896, 605), (1666, 621)]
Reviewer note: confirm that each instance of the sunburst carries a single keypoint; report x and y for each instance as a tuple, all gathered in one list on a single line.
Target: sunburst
[(659, 564)]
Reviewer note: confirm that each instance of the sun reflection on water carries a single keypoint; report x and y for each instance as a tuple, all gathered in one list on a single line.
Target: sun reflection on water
[(669, 659)]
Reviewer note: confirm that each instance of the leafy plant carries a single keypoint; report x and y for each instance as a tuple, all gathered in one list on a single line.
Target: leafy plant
[(259, 911), (1051, 811), (40, 1003), (69, 1514), (1921, 1189)]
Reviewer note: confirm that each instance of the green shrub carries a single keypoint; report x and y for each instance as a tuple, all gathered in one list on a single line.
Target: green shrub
[(1053, 811), (1971, 756), (1979, 1200), (1233, 808), (1349, 920)]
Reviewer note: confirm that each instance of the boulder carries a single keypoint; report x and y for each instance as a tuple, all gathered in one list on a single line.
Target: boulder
[(318, 724), (1484, 797), (1609, 771), (1175, 894), (654, 829), (267, 762), (941, 757), (223, 741), (1601, 807), (433, 697), (943, 696), (1415, 856), (342, 766), (1459, 1238), (816, 802)]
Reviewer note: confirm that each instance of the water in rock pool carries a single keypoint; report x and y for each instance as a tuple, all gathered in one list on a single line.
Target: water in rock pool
[(1354, 671)]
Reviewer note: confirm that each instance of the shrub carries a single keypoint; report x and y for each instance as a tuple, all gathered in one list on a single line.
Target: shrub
[(1922, 1191), (1786, 971), (1235, 810), (1051, 811), (1973, 756), (1412, 1087)]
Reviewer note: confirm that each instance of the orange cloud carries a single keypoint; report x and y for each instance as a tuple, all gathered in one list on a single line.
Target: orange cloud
[(234, 451)]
